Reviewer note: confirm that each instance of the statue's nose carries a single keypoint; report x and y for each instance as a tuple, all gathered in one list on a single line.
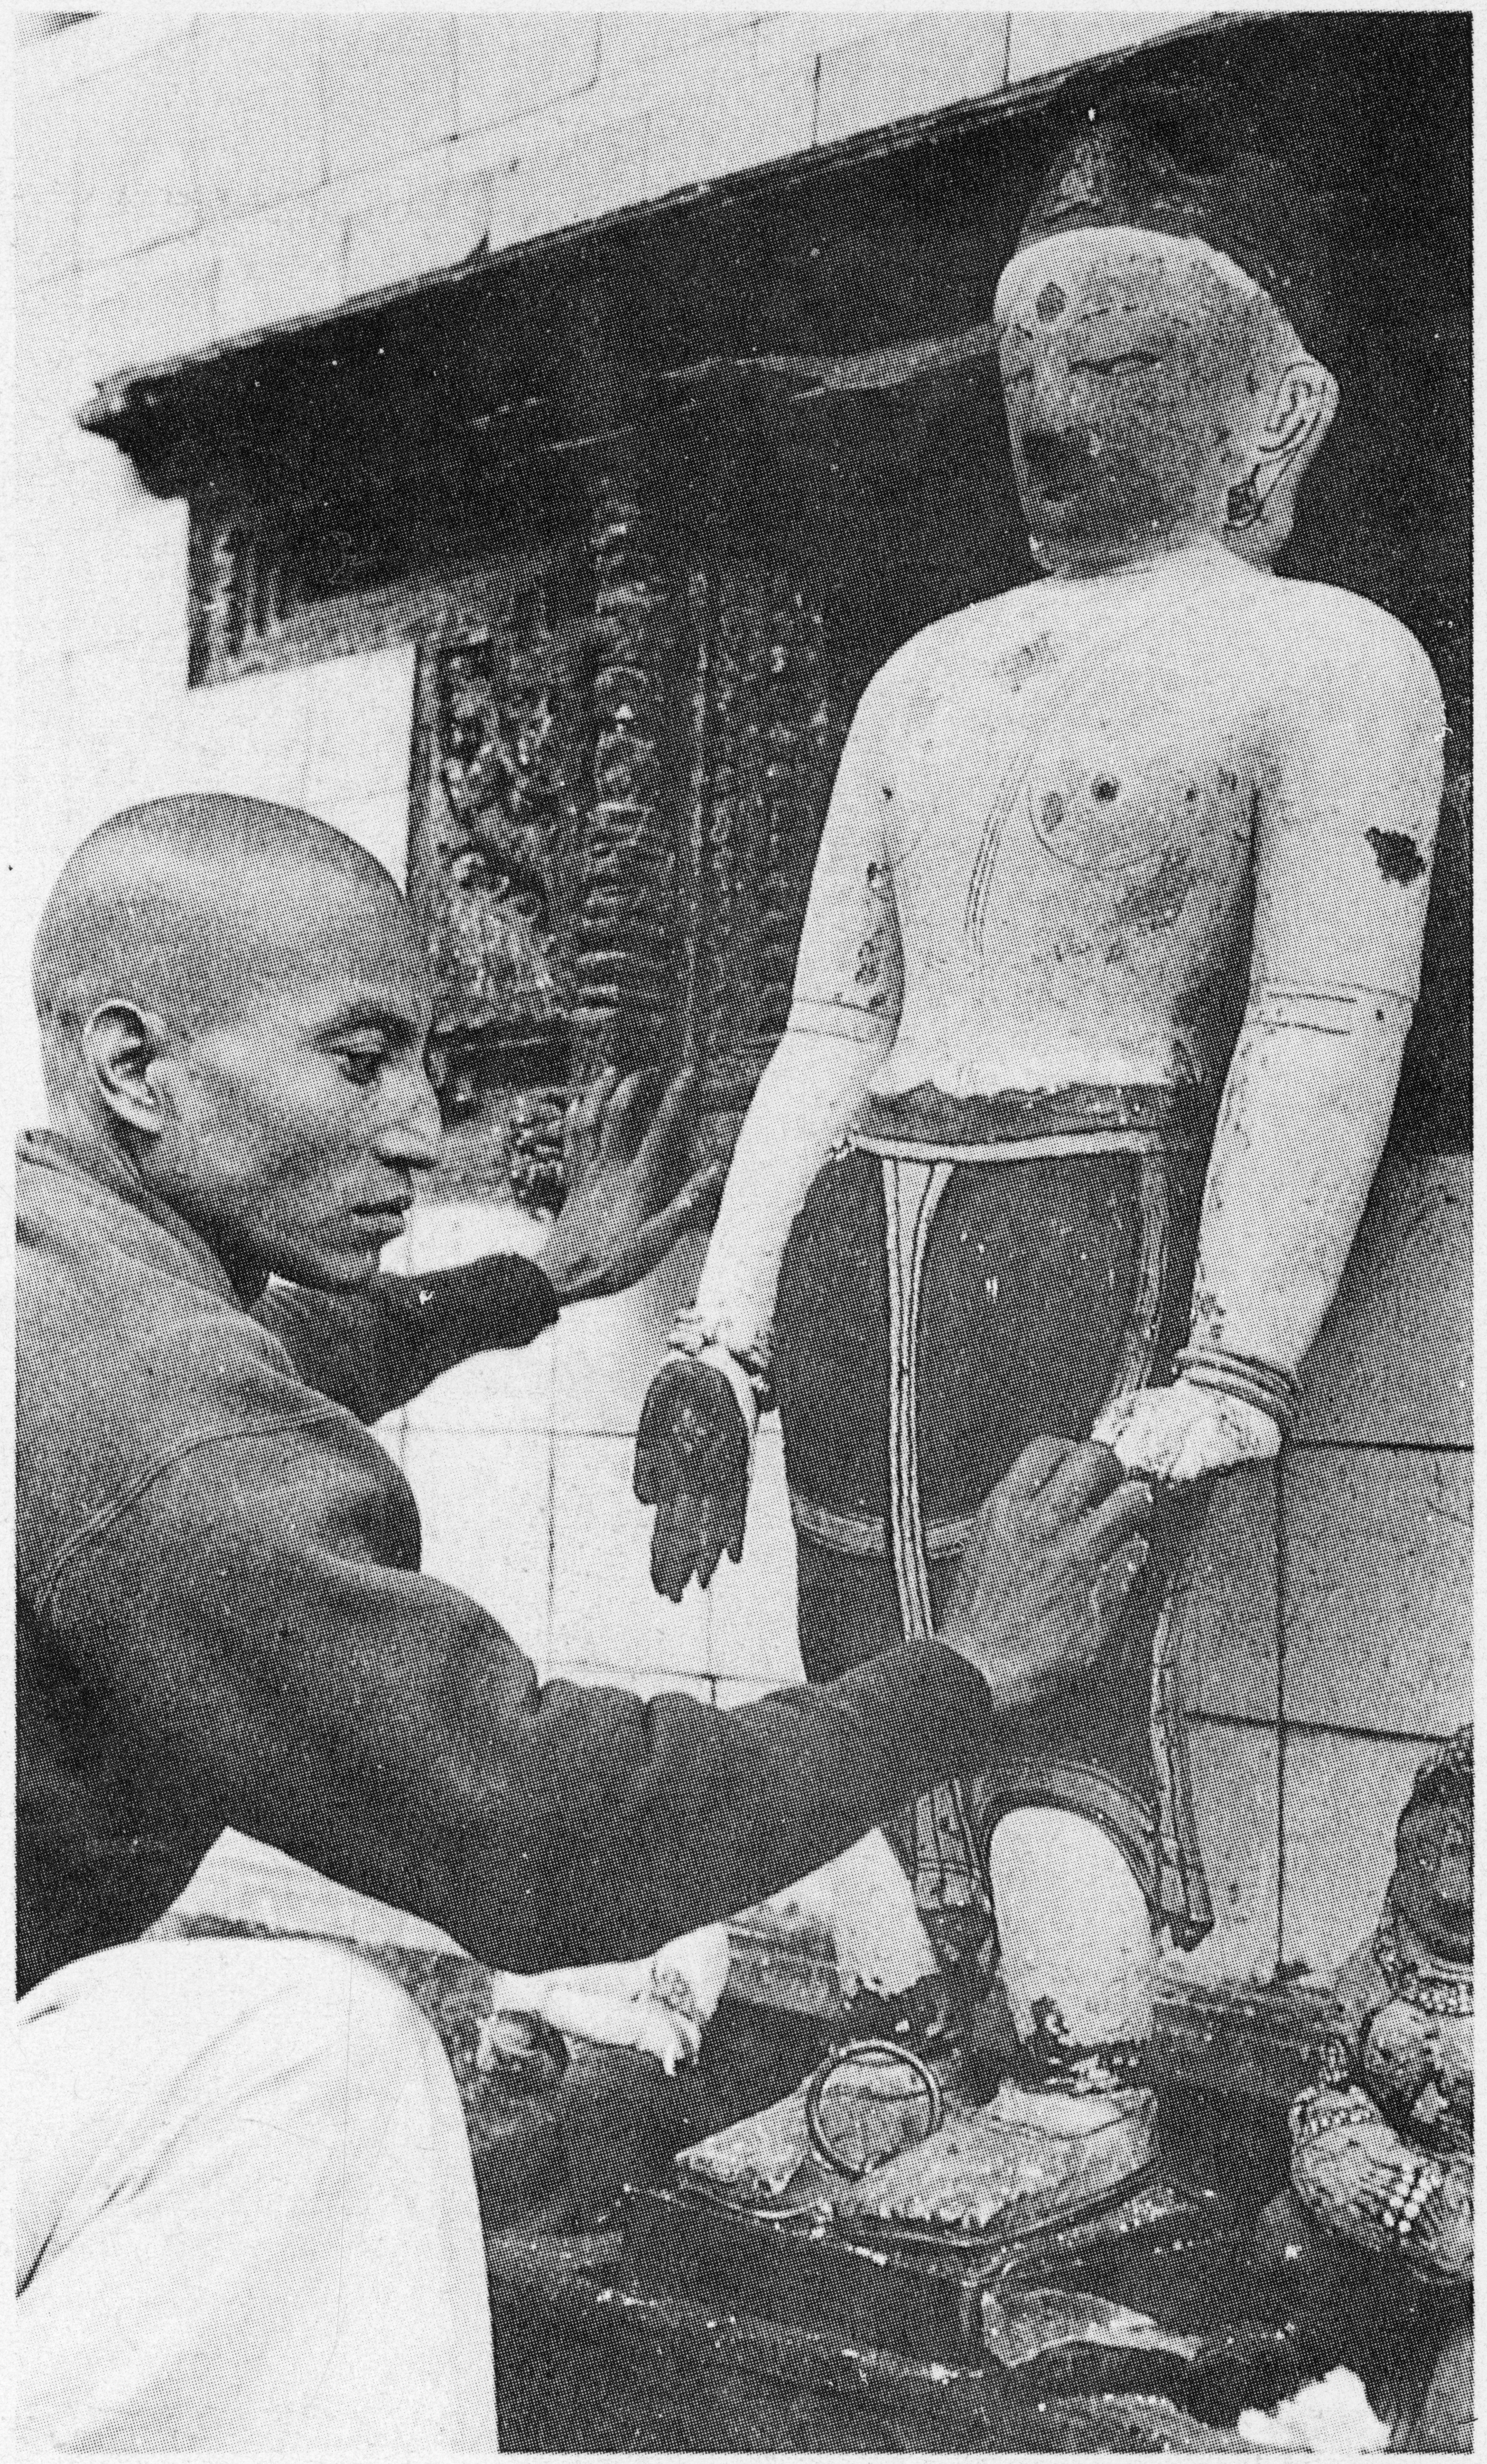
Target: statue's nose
[(1050, 399), (1453, 1875)]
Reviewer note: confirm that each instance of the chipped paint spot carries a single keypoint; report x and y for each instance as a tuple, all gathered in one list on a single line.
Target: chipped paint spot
[(1154, 904), (1029, 659), (1396, 854)]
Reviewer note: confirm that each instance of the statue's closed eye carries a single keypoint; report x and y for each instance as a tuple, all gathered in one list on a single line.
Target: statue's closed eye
[(1121, 363)]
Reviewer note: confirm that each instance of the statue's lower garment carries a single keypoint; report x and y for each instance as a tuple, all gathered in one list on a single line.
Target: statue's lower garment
[(961, 1277)]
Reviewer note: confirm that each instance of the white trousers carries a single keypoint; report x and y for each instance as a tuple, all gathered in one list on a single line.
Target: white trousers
[(246, 2211)]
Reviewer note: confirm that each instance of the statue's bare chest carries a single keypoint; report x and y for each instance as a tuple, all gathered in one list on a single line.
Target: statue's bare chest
[(1076, 773)]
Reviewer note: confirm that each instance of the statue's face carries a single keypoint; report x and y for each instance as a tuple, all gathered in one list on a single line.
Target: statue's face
[(1433, 1875), (1154, 395)]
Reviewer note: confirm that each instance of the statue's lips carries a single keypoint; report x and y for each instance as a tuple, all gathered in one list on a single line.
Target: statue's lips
[(1059, 464), (1451, 1938)]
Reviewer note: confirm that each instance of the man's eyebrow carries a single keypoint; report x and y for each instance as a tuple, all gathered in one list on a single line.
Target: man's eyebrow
[(398, 1024)]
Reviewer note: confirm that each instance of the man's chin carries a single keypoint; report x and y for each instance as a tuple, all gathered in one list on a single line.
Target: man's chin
[(343, 1270)]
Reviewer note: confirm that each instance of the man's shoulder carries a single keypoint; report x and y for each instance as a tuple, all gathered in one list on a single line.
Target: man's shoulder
[(125, 1364)]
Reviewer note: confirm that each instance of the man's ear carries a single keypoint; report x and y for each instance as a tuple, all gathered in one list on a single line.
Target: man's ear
[(120, 1042)]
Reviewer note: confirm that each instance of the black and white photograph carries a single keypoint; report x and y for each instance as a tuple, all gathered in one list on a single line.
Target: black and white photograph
[(740, 909)]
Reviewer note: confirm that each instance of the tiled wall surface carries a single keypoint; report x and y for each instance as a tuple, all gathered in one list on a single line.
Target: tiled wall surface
[(182, 180), (201, 176)]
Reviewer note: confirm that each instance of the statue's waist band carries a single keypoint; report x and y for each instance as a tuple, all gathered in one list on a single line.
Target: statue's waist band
[(866, 1535), (927, 1123)]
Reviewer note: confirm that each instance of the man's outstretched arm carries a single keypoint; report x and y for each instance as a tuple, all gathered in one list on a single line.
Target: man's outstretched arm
[(273, 1660), (629, 1199)]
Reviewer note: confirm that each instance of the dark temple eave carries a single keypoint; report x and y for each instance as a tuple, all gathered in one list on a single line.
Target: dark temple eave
[(178, 418)]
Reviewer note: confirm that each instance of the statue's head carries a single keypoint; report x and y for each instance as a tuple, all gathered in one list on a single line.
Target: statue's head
[(1432, 1889), (1156, 388)]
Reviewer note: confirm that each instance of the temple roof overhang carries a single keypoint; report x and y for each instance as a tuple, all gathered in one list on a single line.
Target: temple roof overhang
[(712, 295)]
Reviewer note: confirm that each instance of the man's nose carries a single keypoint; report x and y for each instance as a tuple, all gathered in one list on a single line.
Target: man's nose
[(411, 1132)]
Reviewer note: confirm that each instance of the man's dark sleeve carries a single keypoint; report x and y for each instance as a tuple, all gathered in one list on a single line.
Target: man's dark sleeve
[(370, 1351), (275, 1661)]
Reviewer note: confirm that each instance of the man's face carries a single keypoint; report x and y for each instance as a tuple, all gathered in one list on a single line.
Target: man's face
[(295, 1121), (1136, 374)]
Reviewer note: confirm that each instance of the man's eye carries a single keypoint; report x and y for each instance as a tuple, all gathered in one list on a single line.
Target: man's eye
[(361, 1062)]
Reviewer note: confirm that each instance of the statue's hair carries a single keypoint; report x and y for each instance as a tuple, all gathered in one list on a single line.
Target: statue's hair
[(170, 905), (1446, 1775), (1163, 152)]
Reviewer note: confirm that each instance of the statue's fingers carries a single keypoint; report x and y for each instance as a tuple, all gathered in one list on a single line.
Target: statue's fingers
[(712, 1537), (674, 1546), (1114, 1419), (689, 2036), (1195, 1459)]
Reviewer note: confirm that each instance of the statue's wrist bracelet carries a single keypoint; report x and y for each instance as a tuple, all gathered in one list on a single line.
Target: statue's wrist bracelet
[(1308, 2123), (699, 1339), (1246, 1379), (1416, 2181)]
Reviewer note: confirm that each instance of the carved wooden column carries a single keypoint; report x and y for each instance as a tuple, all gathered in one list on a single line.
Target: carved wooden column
[(804, 739), (624, 957), (773, 736)]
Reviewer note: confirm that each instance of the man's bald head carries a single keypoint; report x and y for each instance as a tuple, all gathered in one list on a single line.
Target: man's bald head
[(188, 907)]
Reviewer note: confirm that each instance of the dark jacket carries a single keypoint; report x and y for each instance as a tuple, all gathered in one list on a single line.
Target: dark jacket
[(222, 1620)]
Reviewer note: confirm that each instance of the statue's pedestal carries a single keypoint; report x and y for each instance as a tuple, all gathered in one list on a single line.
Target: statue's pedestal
[(1150, 2297)]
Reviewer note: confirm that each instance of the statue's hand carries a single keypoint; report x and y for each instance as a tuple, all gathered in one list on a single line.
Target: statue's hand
[(1184, 1433), (672, 2038), (1361, 2178), (692, 1465)]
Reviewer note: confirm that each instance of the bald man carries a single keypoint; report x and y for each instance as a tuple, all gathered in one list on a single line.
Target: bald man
[(248, 2215)]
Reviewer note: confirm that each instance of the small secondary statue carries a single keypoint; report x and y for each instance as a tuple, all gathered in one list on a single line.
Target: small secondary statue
[(1373, 2243)]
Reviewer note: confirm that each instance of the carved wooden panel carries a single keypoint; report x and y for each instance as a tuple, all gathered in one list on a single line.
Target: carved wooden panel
[(502, 755), (770, 734), (622, 755)]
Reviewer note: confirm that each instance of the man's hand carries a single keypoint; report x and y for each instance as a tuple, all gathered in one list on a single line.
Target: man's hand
[(692, 1465), (1184, 1433), (623, 1209), (1053, 1554)]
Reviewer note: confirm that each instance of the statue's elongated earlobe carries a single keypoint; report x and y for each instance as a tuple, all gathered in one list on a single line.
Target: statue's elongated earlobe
[(1300, 413)]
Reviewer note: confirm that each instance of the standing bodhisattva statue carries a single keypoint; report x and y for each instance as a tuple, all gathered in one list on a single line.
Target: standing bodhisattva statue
[(1111, 951)]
